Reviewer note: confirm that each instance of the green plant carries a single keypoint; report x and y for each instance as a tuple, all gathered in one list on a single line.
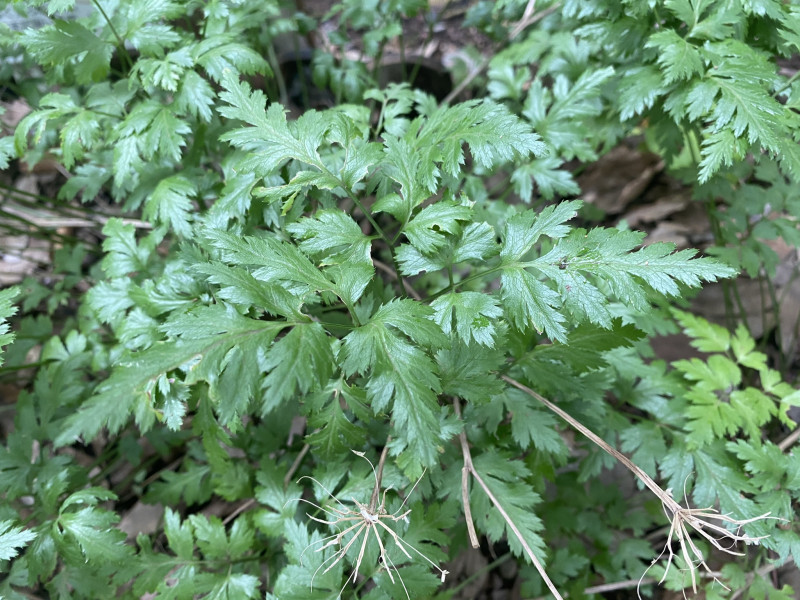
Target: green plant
[(347, 282)]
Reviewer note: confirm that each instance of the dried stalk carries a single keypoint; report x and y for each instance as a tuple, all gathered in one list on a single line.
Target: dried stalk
[(698, 519), (469, 468)]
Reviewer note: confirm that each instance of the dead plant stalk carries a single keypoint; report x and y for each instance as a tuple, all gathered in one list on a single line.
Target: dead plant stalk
[(468, 470), (696, 518)]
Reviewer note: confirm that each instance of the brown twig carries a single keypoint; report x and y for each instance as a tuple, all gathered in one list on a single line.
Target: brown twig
[(470, 468)]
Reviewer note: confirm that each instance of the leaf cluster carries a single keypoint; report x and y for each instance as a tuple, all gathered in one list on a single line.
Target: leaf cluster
[(347, 279)]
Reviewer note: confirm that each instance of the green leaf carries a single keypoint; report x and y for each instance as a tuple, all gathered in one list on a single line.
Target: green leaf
[(171, 203), (473, 314), (706, 336), (332, 233), (530, 424), (207, 335), (549, 178), (7, 309), (93, 529), (427, 229), (679, 60), (238, 286), (523, 230), (276, 261), (301, 359), (587, 344), (333, 431), (646, 445), (530, 303), (506, 479), (220, 56), (179, 535), (195, 96), (400, 372), (210, 534), (12, 539), (7, 151), (268, 135), (638, 90), (70, 42), (470, 372)]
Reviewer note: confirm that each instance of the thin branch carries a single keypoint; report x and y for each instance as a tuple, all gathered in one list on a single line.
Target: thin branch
[(239, 511), (471, 468), (465, 471)]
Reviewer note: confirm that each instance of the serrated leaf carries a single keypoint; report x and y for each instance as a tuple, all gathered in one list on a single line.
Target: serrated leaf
[(587, 344), (638, 90), (276, 261), (171, 203), (472, 312), (549, 178), (268, 135), (333, 432), (426, 231), (220, 56), (179, 534), (195, 96), (12, 539), (529, 303), (470, 372), (93, 529), (210, 534), (206, 336), (523, 230), (679, 60), (477, 242), (506, 479), (123, 254), (706, 336), (402, 376), (69, 41), (329, 233), (532, 425), (302, 360), (7, 309)]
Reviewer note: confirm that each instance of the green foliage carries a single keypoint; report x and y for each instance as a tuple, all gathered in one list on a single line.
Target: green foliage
[(294, 288)]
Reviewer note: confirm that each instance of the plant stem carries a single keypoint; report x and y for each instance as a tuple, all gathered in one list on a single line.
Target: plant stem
[(373, 501), (120, 41), (490, 567), (469, 468), (523, 23), (596, 439)]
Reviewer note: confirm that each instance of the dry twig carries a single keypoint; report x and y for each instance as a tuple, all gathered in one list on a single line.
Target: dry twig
[(699, 519), (469, 469)]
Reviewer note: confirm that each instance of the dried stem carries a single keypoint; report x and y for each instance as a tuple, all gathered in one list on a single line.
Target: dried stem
[(698, 519), (373, 502), (295, 465), (470, 468)]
